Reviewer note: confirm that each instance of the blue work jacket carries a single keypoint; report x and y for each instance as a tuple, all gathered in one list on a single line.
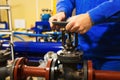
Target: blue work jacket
[(103, 39)]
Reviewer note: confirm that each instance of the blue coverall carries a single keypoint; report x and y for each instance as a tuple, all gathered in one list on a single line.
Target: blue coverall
[(101, 43)]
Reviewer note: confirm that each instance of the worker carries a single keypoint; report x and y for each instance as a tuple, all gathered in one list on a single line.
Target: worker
[(98, 22)]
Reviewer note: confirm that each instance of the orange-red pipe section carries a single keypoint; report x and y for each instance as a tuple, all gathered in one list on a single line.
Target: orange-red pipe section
[(34, 71), (106, 75)]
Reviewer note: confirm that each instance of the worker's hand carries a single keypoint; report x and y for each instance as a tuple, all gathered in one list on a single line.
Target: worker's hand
[(79, 24), (57, 17)]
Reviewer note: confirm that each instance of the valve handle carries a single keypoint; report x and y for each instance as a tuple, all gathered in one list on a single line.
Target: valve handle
[(60, 23)]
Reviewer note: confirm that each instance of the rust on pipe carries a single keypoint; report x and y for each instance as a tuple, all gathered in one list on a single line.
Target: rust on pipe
[(106, 75)]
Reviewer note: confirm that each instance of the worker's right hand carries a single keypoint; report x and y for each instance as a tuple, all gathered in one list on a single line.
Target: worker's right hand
[(57, 17)]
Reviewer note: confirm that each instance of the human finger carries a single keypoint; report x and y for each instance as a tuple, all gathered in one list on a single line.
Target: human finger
[(69, 26), (74, 29), (81, 31)]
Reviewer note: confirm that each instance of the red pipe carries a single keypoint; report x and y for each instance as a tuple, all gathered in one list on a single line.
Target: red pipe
[(106, 75), (22, 71), (101, 74), (34, 71)]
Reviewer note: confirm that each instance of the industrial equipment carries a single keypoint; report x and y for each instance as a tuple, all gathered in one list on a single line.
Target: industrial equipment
[(54, 70), (45, 41), (5, 55), (42, 27), (46, 14), (69, 65), (35, 51)]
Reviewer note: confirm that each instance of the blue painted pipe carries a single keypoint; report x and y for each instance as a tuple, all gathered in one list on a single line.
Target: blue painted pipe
[(30, 34), (37, 47)]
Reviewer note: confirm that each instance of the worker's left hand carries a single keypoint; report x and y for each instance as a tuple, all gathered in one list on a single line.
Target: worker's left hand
[(79, 24)]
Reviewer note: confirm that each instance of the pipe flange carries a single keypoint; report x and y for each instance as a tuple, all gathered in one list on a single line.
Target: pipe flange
[(90, 70), (15, 75), (54, 73)]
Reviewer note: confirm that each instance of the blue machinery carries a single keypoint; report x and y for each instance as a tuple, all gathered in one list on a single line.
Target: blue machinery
[(65, 67), (35, 50)]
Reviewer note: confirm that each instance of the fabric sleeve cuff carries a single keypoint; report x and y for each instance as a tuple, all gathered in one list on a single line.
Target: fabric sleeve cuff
[(96, 17)]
